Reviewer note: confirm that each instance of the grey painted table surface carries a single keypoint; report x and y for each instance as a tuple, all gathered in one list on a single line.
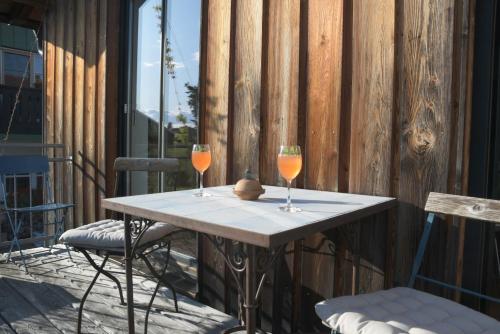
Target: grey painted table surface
[(259, 222)]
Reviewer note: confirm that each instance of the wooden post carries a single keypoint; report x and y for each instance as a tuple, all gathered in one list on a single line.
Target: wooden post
[(89, 120), (80, 213), (68, 128), (247, 87), (101, 107)]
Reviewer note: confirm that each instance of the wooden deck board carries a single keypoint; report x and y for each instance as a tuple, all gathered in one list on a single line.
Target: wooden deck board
[(22, 317), (57, 309), (50, 294), (4, 328)]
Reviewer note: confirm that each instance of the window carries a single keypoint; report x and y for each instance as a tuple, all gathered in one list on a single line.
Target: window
[(14, 66), (27, 121), (37, 79), (14, 63), (163, 117), (164, 93)]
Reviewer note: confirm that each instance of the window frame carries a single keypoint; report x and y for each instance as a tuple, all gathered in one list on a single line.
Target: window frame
[(31, 58)]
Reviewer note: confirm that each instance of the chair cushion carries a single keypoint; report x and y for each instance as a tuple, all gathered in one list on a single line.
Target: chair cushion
[(402, 310), (110, 234)]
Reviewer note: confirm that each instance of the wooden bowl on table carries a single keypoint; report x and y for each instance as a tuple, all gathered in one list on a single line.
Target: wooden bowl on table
[(248, 188)]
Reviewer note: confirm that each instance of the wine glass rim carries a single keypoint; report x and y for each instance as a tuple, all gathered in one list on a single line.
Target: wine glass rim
[(201, 148), (289, 150)]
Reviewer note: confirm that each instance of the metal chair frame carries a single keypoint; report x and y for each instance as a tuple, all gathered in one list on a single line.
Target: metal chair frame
[(139, 251), (460, 206), (418, 263), (31, 166)]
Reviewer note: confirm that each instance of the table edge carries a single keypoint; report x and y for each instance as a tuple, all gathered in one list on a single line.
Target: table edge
[(254, 238)]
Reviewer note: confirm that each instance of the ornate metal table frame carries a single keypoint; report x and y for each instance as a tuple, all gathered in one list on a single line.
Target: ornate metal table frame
[(138, 229), (241, 261), (246, 259)]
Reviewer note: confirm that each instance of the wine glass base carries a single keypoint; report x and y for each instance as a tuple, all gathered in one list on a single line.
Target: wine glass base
[(287, 208), (203, 194)]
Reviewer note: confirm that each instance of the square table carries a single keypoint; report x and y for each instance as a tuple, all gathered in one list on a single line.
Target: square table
[(253, 223)]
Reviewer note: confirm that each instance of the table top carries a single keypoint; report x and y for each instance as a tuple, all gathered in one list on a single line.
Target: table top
[(257, 222)]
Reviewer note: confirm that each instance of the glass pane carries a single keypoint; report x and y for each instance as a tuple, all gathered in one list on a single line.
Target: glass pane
[(182, 55), (146, 115), (180, 64), (14, 66), (180, 119), (38, 70), (27, 119)]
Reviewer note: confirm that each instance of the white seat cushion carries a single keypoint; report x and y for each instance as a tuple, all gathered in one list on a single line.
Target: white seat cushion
[(110, 234), (402, 310)]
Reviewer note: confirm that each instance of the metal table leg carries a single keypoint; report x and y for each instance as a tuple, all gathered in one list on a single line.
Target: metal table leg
[(128, 274), (253, 265), (250, 299)]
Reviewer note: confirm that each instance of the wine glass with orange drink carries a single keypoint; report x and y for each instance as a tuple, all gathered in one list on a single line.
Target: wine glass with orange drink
[(289, 165), (201, 159)]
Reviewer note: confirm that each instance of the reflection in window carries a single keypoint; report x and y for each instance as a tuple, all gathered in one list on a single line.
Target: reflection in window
[(37, 71), (14, 67), (166, 57), (144, 126), (27, 118), (180, 118)]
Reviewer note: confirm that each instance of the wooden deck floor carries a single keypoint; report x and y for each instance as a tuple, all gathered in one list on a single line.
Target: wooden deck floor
[(46, 300)]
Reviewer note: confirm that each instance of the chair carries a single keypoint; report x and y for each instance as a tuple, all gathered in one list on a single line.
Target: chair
[(33, 167), (108, 237), (407, 310)]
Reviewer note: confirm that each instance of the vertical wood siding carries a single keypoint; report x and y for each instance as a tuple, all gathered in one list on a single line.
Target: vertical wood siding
[(280, 84), (68, 129), (77, 77), (247, 87), (376, 94), (215, 129)]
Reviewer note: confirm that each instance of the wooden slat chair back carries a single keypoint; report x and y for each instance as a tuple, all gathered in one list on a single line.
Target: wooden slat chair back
[(486, 210), (160, 237), (123, 165), (146, 164), (405, 309), (32, 167)]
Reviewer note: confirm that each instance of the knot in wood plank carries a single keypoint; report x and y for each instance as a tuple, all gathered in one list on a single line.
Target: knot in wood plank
[(476, 208), (421, 140)]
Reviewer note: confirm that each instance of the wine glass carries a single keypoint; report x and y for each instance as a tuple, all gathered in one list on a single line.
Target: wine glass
[(289, 165), (201, 159)]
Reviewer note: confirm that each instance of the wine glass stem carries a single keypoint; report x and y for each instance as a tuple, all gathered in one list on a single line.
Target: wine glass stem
[(201, 183), (288, 199)]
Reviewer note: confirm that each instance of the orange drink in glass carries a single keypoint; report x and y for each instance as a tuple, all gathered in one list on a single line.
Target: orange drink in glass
[(289, 166), (201, 159)]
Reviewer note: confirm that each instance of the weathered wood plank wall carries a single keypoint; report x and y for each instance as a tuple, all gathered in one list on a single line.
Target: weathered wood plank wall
[(373, 91), (81, 94)]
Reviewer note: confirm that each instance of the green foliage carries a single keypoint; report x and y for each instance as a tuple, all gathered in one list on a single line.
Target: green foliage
[(193, 101), (169, 59), (182, 135), (181, 118)]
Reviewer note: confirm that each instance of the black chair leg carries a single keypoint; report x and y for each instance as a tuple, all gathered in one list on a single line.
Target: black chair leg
[(153, 298), (80, 310), (161, 280), (105, 273)]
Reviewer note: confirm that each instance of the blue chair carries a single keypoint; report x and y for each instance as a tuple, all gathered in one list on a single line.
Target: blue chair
[(406, 309), (33, 167)]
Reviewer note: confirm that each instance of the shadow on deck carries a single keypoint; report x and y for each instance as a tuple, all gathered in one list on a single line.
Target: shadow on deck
[(46, 300)]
